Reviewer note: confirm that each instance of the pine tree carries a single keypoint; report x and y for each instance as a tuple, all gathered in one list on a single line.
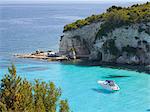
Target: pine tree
[(10, 87), (64, 107), (19, 95)]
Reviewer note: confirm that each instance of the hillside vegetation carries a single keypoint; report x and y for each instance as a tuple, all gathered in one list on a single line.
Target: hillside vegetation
[(115, 17)]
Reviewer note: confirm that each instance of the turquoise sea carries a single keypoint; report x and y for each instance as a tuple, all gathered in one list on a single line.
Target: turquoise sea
[(25, 28)]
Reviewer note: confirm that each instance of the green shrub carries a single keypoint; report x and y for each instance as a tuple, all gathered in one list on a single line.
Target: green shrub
[(115, 17), (112, 20), (113, 8), (19, 95), (64, 106)]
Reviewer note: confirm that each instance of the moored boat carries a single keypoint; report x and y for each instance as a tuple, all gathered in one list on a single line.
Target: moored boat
[(109, 85)]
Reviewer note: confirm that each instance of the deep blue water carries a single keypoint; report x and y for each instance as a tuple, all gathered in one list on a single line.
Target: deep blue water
[(26, 28)]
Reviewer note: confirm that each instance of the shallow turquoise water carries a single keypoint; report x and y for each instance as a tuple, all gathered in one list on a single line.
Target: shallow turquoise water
[(26, 28), (79, 85)]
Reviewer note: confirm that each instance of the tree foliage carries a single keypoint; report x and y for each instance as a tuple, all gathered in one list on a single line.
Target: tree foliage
[(117, 16), (19, 95), (64, 106)]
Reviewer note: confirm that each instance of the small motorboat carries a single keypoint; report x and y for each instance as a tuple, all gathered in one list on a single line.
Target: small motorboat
[(109, 85)]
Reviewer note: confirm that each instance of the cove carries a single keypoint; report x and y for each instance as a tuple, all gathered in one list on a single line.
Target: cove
[(79, 85)]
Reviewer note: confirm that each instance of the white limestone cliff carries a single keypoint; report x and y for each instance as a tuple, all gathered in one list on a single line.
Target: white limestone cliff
[(127, 44)]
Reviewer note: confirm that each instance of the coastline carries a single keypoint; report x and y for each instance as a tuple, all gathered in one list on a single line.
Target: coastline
[(68, 65), (43, 55), (85, 62), (137, 68)]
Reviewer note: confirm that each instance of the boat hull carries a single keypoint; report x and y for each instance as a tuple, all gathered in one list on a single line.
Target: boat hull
[(110, 88)]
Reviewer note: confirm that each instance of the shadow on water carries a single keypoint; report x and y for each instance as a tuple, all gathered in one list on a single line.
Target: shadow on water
[(32, 69), (88, 63), (104, 91), (148, 110), (116, 76)]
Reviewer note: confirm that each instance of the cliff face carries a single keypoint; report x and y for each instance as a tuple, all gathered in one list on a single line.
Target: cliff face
[(81, 39), (127, 44), (121, 35)]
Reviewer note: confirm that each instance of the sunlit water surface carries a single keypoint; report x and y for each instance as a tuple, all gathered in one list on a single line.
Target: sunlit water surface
[(25, 28)]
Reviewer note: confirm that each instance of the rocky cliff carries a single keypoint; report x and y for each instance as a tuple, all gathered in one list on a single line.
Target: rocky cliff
[(81, 39), (126, 44)]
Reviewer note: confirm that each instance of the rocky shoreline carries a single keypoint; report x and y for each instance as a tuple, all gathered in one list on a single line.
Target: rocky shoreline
[(43, 55)]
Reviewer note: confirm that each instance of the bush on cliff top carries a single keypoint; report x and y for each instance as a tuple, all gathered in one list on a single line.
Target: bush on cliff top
[(117, 16), (18, 95)]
